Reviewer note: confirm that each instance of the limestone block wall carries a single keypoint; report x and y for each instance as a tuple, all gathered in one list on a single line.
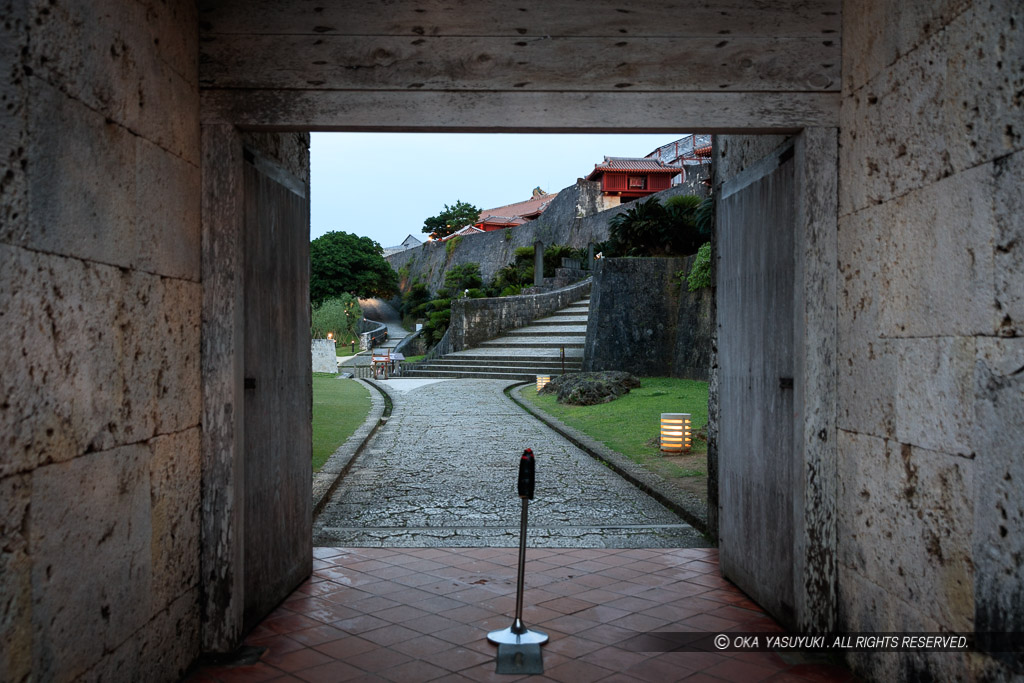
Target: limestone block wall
[(930, 323), (100, 307), (691, 357), (642, 320), (493, 250), (477, 320), (576, 217)]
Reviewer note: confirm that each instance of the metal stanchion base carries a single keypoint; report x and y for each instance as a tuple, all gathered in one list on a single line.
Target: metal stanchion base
[(517, 634)]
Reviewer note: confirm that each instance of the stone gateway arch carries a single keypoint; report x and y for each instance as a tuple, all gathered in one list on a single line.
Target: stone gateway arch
[(154, 222)]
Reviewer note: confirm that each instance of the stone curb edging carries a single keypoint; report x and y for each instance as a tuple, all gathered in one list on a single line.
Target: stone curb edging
[(340, 462), (382, 387), (686, 505)]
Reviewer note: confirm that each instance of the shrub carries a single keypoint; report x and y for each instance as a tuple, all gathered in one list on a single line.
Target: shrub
[(704, 216), (591, 388), (413, 303), (700, 273), (649, 229), (553, 256), (338, 316), (683, 202), (437, 321), (462, 277), (510, 279), (451, 245)]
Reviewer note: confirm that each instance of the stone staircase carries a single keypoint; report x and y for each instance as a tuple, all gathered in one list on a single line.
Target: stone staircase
[(520, 354)]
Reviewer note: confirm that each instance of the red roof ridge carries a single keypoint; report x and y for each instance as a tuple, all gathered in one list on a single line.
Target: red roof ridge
[(542, 200)]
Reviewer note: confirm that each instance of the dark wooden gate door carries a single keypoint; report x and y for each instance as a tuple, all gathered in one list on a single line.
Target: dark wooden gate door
[(757, 459), (278, 395)]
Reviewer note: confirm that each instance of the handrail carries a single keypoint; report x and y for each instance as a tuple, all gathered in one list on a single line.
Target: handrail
[(400, 347), (441, 348)]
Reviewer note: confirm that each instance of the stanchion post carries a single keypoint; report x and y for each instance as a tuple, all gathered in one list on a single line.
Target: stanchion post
[(517, 633)]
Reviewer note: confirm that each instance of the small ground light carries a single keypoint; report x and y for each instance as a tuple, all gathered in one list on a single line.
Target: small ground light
[(675, 432), (542, 381)]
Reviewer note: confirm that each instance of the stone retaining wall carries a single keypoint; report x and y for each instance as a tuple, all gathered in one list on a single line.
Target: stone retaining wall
[(574, 218), (631, 330), (412, 345), (371, 333), (477, 320)]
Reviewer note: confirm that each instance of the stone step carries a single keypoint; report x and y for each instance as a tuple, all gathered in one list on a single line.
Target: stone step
[(533, 343), (481, 374), (541, 332), (507, 358), (547, 359), (580, 324), (469, 372), (501, 367), (548, 330), (554, 321), (521, 354)]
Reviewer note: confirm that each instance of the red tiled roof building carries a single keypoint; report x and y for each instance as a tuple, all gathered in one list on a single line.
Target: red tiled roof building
[(512, 215), (629, 178)]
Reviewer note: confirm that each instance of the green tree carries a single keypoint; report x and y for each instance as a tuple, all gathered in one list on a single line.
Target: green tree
[(343, 263), (462, 277), (683, 213), (640, 230), (704, 217), (339, 317), (452, 219), (650, 229), (413, 302), (553, 255)]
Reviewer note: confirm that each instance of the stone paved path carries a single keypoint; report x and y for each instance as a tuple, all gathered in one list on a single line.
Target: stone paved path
[(382, 311), (442, 473)]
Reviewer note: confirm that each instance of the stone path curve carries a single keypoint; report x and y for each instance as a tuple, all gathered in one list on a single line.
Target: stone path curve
[(383, 312), (442, 473)]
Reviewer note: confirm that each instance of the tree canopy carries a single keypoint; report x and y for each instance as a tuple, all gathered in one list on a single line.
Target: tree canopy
[(648, 228), (343, 263), (452, 219), (338, 316), (461, 277)]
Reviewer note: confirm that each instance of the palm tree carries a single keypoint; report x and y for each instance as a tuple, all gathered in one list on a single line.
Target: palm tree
[(649, 229)]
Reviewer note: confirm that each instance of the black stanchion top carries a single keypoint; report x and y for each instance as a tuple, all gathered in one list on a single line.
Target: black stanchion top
[(527, 474)]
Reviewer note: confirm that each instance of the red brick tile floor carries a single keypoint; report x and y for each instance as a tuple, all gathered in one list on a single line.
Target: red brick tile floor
[(422, 614)]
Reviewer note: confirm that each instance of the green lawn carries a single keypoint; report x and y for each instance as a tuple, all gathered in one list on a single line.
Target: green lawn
[(339, 407), (630, 424)]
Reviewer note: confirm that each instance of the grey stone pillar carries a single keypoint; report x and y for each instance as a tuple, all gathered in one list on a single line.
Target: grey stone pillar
[(590, 257), (538, 263)]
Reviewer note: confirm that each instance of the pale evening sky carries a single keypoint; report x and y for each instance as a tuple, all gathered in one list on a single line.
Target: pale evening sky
[(383, 185)]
